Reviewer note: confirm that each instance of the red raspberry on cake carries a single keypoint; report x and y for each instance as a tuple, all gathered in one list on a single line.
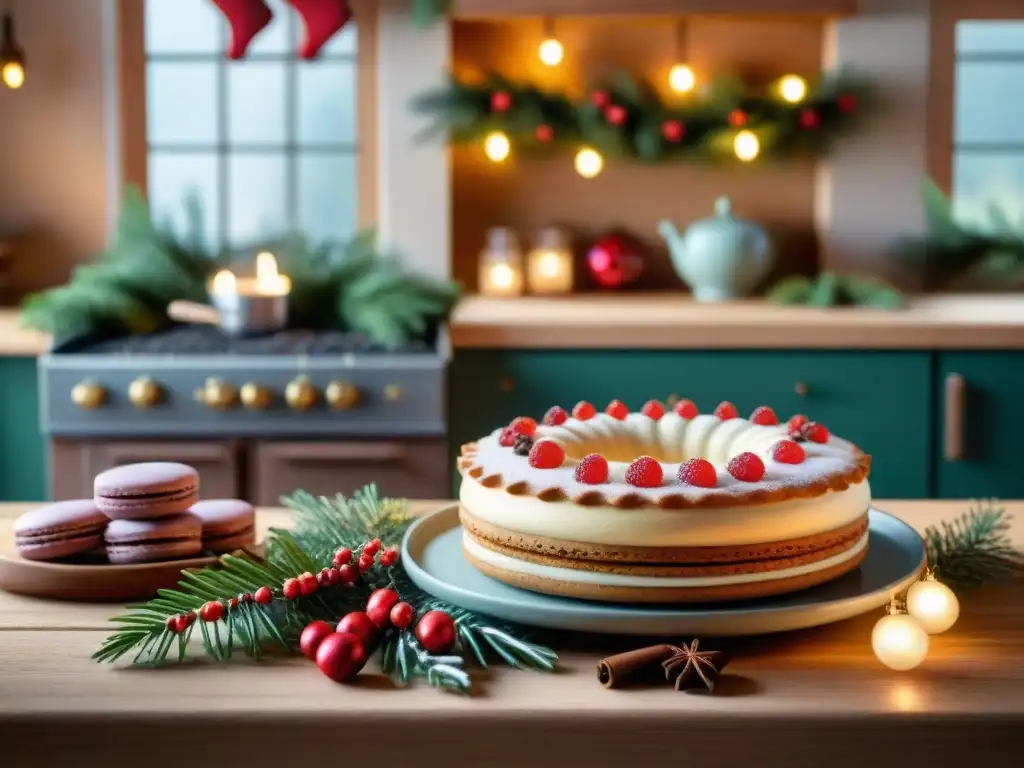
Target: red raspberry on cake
[(653, 410), (816, 433), (523, 425), (788, 452), (796, 422), (556, 415), (698, 472), (583, 411), (617, 410), (686, 409), (726, 411), (546, 454), (592, 469), (764, 416), (746, 467), (507, 438), (644, 472)]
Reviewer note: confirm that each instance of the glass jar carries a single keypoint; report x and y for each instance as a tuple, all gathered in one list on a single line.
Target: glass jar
[(549, 267), (501, 264)]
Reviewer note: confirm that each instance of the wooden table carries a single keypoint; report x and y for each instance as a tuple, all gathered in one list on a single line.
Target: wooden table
[(814, 698)]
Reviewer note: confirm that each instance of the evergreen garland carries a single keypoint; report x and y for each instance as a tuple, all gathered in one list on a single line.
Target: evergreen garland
[(322, 526), (626, 117), (831, 290), (974, 548)]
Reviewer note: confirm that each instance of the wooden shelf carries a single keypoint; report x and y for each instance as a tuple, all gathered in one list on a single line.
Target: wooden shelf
[(477, 9)]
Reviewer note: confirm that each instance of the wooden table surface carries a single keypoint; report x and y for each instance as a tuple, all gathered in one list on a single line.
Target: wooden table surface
[(809, 698)]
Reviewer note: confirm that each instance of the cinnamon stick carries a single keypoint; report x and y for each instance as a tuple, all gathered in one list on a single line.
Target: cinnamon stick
[(643, 664)]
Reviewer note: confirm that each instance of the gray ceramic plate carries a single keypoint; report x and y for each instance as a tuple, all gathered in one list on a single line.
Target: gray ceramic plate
[(432, 553)]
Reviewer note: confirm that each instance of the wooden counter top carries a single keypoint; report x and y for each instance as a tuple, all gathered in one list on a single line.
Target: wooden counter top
[(790, 700), (16, 341), (660, 321)]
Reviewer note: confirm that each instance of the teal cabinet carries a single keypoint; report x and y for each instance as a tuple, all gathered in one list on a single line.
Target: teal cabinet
[(979, 412), (22, 448), (880, 400)]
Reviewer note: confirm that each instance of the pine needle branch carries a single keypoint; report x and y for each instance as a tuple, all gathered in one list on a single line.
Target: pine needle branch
[(974, 548)]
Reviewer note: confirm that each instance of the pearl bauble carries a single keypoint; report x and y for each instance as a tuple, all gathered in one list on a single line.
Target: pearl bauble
[(899, 642), (933, 605)]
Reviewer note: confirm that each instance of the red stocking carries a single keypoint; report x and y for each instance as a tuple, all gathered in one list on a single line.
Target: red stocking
[(321, 20), (247, 19)]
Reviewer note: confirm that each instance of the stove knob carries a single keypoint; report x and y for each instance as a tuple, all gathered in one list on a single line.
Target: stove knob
[(256, 397), (88, 395), (300, 394), (342, 395), (144, 393), (216, 393), (393, 392)]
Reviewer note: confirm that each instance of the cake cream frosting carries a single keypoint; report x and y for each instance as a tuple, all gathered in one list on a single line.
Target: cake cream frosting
[(512, 504)]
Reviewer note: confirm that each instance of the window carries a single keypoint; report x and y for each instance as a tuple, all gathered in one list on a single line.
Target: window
[(268, 144), (988, 131)]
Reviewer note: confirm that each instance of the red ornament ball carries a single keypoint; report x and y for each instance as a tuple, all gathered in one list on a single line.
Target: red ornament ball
[(211, 611), (615, 260), (379, 605), (616, 114), (341, 656), (544, 133), (809, 119), (737, 118), (673, 130), (501, 101), (436, 632), (402, 615), (360, 625), (847, 102), (263, 595), (600, 99), (312, 636)]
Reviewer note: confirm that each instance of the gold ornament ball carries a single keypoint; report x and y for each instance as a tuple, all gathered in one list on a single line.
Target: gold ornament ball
[(899, 642), (933, 605)]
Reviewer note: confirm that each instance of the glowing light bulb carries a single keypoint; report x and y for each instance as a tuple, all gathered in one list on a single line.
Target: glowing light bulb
[(746, 146), (793, 88), (13, 74), (502, 276), (589, 163), (898, 640), (681, 78), (932, 604), (225, 283), (497, 147), (551, 52)]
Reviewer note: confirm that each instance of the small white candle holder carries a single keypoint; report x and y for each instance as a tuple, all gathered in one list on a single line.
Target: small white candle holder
[(549, 266), (249, 306), (501, 264)]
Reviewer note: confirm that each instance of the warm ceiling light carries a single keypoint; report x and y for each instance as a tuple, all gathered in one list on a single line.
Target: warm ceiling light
[(12, 58)]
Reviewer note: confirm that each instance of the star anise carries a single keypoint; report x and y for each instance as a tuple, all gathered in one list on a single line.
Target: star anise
[(690, 668), (522, 445)]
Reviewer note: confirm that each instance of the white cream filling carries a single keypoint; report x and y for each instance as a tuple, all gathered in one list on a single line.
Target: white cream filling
[(504, 562), (656, 527)]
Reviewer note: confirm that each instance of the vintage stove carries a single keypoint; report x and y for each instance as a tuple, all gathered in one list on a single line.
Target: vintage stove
[(324, 411)]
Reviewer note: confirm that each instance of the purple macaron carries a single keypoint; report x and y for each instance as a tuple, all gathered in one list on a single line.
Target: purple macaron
[(228, 524), (146, 491), (147, 541), (59, 530)]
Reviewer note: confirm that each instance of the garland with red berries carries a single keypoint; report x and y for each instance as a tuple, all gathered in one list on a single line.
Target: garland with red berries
[(626, 117), (332, 588)]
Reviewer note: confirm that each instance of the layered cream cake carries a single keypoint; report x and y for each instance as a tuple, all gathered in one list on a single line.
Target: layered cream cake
[(664, 506)]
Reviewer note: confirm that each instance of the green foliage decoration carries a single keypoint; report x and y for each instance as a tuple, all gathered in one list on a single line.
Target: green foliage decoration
[(832, 290), (974, 548)]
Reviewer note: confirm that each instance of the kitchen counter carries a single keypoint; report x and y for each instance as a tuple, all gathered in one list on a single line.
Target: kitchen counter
[(797, 700)]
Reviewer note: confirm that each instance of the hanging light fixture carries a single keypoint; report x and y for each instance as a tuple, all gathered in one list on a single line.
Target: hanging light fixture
[(550, 51), (681, 78), (12, 58)]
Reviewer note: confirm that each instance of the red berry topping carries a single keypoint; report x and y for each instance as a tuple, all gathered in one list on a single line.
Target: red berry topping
[(507, 438), (342, 556), (816, 433), (746, 467), (764, 416), (592, 469), (372, 547), (307, 583), (686, 409), (211, 611), (556, 415), (583, 411), (644, 472), (788, 452), (796, 422), (726, 411), (523, 425), (698, 472), (653, 409), (402, 615), (617, 410), (389, 557), (347, 574), (263, 595), (365, 562), (291, 589), (546, 454)]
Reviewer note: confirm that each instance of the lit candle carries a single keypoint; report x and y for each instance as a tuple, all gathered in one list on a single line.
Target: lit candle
[(501, 264), (252, 304), (269, 282), (549, 265)]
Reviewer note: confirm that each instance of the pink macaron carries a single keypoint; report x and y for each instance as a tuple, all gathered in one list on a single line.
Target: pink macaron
[(147, 541), (228, 524), (59, 530), (146, 491)]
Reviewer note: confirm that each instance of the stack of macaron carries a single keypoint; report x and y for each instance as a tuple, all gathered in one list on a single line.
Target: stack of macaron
[(139, 513)]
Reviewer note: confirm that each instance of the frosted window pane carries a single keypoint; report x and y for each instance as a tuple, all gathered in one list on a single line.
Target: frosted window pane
[(327, 196), (257, 198), (980, 179), (173, 177), (181, 103), (990, 102), (343, 43), (990, 37), (184, 26), (256, 108), (275, 37), (326, 102)]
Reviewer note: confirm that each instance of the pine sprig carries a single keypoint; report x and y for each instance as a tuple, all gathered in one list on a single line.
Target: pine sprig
[(974, 548), (831, 290)]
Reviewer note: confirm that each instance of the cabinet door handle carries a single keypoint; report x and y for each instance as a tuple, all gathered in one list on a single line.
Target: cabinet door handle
[(953, 438)]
